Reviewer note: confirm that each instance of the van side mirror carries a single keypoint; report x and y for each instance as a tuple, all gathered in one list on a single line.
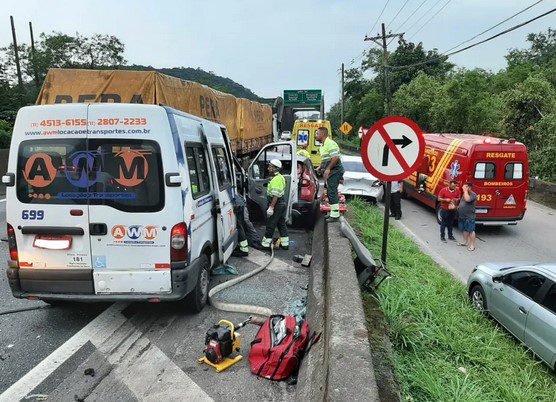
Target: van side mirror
[(8, 179)]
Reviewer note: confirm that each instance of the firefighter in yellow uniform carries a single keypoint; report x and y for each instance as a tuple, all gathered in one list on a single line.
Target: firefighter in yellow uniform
[(276, 212), (332, 171)]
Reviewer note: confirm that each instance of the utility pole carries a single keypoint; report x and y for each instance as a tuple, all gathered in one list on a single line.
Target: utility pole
[(388, 96), (34, 60), (19, 78), (342, 101)]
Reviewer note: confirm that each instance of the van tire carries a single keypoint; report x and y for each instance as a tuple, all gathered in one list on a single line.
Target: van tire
[(438, 217), (198, 298)]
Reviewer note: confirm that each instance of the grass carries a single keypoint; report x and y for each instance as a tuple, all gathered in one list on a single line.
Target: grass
[(443, 349)]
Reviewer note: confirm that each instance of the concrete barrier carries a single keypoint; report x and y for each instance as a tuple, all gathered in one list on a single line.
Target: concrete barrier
[(339, 367)]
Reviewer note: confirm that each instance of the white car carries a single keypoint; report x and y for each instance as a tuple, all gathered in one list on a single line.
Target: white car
[(358, 181), (286, 136)]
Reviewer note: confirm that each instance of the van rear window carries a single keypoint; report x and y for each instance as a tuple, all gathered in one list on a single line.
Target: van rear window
[(485, 171), (124, 174), (513, 171)]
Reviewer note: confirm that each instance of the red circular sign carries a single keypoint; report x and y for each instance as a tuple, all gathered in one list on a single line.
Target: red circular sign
[(393, 148)]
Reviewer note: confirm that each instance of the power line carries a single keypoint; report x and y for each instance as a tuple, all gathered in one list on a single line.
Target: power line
[(411, 15), (380, 15), (423, 16), (494, 26), (398, 13), (448, 54), (429, 20)]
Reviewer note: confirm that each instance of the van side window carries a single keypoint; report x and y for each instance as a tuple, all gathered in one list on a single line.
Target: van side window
[(223, 171), (485, 171), (513, 171), (198, 172)]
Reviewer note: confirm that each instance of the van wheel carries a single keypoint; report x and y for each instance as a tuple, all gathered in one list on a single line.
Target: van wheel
[(197, 299)]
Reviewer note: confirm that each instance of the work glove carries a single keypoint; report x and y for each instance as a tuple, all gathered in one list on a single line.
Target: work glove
[(269, 212)]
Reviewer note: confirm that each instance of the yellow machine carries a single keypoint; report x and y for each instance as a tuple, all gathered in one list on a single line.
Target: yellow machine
[(304, 134), (221, 341)]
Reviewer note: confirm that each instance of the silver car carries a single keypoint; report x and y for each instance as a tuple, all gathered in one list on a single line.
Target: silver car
[(358, 181), (522, 297)]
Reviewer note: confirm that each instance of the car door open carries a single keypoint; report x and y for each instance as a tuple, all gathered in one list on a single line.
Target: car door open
[(259, 177)]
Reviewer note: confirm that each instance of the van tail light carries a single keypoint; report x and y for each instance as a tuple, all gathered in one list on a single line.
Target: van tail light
[(305, 183), (178, 242), (12, 244)]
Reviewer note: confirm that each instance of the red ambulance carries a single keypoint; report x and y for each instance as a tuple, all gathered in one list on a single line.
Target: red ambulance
[(498, 169)]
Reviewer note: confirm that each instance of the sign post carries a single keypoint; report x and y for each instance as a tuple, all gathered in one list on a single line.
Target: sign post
[(392, 149)]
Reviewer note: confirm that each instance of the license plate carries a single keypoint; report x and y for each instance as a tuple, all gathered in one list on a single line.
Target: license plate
[(52, 242), (481, 211)]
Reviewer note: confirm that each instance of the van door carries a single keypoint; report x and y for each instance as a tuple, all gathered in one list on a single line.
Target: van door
[(47, 207), (223, 172), (131, 209), (511, 196), (259, 178)]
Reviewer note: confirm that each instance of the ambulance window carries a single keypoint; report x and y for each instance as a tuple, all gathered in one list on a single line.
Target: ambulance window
[(513, 171), (302, 137), (485, 171), (222, 168), (203, 170), (317, 142)]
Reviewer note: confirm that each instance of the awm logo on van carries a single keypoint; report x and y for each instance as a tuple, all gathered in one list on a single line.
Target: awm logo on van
[(134, 234)]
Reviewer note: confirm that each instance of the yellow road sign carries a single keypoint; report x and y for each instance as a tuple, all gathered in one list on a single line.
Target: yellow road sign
[(345, 128)]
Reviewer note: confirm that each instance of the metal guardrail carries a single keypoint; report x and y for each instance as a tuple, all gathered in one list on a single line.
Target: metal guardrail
[(370, 274)]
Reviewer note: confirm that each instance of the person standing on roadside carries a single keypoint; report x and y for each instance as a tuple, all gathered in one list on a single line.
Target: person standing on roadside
[(449, 198), (396, 200), (332, 171), (276, 212), (466, 216)]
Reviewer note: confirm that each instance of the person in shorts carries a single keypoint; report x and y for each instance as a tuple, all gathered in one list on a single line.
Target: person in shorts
[(466, 216)]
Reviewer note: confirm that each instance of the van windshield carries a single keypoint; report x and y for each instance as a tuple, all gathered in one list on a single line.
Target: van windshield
[(125, 174)]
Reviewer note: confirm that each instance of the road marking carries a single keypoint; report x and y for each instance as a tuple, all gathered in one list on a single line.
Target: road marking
[(99, 329), (147, 372)]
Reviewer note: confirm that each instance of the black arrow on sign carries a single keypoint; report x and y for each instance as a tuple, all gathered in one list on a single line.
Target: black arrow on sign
[(404, 142)]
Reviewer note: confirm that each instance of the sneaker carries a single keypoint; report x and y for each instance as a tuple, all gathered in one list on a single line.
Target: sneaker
[(451, 238), (284, 247), (443, 239), (398, 218), (332, 220)]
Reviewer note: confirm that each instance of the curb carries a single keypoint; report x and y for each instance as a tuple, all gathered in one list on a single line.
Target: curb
[(339, 367)]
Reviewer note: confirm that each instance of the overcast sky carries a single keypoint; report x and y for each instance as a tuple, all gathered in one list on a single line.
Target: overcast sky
[(269, 46)]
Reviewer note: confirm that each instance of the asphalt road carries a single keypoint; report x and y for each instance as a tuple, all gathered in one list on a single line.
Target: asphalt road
[(532, 239), (27, 337)]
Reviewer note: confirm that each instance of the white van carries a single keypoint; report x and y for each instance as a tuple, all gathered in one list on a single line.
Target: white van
[(113, 202)]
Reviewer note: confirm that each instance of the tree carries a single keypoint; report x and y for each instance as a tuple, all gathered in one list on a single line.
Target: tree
[(416, 99), (405, 54), (542, 50), (525, 105)]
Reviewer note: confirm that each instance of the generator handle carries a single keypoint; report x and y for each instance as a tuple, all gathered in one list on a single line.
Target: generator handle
[(229, 324)]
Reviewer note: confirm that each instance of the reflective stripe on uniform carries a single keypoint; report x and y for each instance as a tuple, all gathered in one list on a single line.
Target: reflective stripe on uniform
[(334, 210), (284, 241), (277, 186), (266, 242), (328, 150), (244, 246)]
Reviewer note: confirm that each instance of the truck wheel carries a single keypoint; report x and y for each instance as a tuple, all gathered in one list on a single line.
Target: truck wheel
[(198, 298), (438, 216)]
